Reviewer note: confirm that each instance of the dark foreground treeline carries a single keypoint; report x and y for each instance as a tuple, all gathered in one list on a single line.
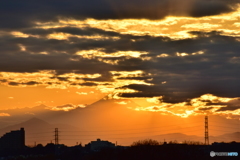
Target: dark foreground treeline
[(141, 150)]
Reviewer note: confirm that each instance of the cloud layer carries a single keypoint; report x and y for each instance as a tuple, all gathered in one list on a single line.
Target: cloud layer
[(135, 49), (207, 104), (156, 66), (17, 15)]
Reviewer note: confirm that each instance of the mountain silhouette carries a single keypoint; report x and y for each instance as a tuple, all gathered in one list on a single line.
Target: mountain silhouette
[(99, 114), (108, 119), (32, 124), (228, 137)]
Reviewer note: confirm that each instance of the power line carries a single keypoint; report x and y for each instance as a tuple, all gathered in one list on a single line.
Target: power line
[(220, 130), (110, 133), (40, 132), (180, 124), (225, 127), (123, 129), (163, 130), (229, 122), (134, 132)]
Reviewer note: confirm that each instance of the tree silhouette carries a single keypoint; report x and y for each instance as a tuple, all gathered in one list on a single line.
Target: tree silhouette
[(146, 142)]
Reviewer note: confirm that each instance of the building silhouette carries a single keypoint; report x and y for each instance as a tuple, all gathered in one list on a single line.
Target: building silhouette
[(99, 144), (13, 140)]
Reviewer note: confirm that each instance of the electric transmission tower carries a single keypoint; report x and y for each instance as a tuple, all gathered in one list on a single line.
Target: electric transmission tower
[(206, 131), (56, 136)]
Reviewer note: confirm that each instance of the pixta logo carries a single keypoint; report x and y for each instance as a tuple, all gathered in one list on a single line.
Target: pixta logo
[(213, 154)]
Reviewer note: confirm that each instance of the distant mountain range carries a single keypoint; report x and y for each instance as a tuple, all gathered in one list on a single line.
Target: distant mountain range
[(182, 137), (108, 119), (97, 114), (39, 131)]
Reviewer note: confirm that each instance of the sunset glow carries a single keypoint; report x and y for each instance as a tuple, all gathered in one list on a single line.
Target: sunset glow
[(121, 63)]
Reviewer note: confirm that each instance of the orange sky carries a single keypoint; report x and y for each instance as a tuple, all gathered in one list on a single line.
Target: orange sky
[(178, 65)]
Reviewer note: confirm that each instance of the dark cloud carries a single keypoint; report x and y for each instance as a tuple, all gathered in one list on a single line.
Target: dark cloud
[(229, 106), (105, 76), (62, 63), (85, 31), (213, 7), (206, 109), (175, 78), (147, 79), (88, 84), (186, 77), (226, 106), (62, 78), (156, 9), (15, 14), (13, 83), (140, 94), (31, 83), (3, 80), (190, 76), (27, 83)]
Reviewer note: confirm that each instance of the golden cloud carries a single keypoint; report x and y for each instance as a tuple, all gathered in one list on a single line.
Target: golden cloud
[(50, 80), (82, 93), (4, 115), (22, 35), (122, 103), (163, 55), (155, 100), (66, 36), (46, 78), (98, 53), (173, 27), (207, 104), (66, 107)]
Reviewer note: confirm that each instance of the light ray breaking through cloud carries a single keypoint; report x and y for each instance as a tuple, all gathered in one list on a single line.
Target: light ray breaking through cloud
[(171, 53)]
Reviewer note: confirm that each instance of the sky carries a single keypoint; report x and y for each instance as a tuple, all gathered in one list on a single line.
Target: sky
[(174, 57)]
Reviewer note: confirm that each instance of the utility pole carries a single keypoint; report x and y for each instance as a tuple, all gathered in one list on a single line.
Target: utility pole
[(56, 136), (206, 131)]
